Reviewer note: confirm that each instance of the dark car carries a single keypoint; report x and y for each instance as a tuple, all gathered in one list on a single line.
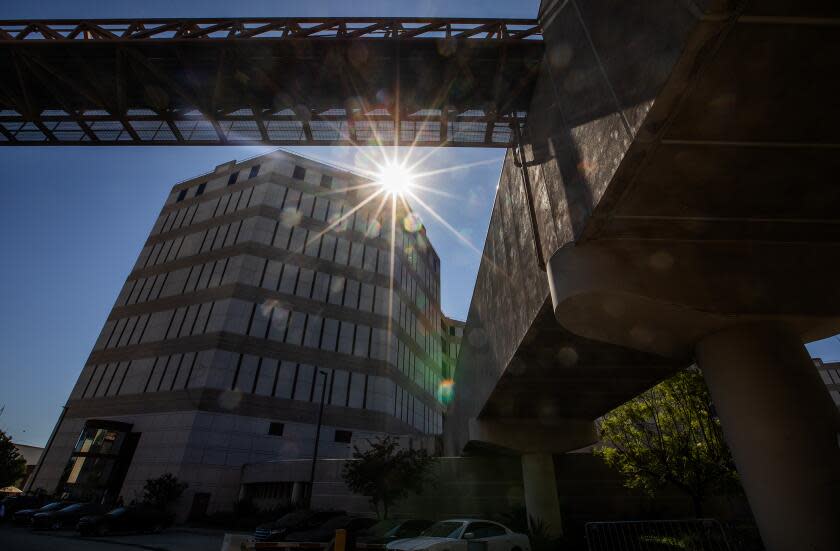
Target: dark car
[(295, 521), (134, 518), (12, 504), (24, 516), (326, 532), (67, 517), (390, 530)]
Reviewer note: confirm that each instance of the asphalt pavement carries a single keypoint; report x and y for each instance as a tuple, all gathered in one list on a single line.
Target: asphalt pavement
[(16, 538)]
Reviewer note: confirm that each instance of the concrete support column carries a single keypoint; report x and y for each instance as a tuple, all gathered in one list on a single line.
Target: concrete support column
[(540, 486), (782, 428)]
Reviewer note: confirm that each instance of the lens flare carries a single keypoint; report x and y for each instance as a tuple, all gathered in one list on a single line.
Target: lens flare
[(446, 391), (395, 178)]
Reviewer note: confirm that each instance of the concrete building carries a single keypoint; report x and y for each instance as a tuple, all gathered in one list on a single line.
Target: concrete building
[(451, 335), (260, 283), (672, 203), (830, 375), (31, 454)]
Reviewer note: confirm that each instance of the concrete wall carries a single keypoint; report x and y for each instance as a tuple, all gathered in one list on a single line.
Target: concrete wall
[(509, 291), (595, 89), (464, 486)]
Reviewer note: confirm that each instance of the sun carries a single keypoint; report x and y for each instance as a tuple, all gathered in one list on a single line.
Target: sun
[(395, 178)]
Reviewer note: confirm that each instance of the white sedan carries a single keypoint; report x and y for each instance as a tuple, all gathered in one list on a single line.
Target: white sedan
[(464, 534)]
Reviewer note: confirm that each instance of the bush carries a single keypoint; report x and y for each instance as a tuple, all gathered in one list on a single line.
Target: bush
[(163, 491)]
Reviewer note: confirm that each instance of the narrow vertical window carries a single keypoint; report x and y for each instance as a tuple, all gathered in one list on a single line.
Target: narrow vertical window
[(200, 189), (181, 196), (254, 171), (232, 178), (326, 180), (299, 173)]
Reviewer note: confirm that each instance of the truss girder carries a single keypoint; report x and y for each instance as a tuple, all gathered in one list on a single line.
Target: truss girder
[(354, 81)]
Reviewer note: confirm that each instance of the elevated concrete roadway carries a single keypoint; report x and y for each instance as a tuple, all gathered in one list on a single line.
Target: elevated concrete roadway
[(682, 157)]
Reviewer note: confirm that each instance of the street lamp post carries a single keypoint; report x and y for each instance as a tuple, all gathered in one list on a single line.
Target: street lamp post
[(317, 439)]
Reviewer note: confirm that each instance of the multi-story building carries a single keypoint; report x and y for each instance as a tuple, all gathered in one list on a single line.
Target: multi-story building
[(451, 335), (259, 284), (830, 374)]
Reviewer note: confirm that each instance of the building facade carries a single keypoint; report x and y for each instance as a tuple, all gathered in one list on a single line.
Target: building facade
[(830, 374), (262, 287), (451, 335)]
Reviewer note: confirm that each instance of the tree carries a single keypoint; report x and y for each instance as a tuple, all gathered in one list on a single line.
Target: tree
[(670, 435), (386, 473), (162, 491), (12, 464)]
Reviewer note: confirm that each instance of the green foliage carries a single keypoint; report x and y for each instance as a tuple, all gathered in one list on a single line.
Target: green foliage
[(670, 435), (386, 473), (12, 465), (162, 491)]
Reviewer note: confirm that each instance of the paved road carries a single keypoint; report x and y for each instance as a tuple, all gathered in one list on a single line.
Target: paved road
[(13, 538)]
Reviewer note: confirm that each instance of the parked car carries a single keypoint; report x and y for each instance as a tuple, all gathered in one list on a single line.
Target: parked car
[(24, 516), (455, 535), (390, 530), (295, 521), (12, 504), (134, 518), (326, 531), (67, 517)]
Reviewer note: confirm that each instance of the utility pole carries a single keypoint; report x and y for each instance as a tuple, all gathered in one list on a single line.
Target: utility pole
[(317, 439)]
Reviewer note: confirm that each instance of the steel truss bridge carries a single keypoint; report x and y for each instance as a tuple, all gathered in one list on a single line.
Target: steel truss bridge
[(329, 81)]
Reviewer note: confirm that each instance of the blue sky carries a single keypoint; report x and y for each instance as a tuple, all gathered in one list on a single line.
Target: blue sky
[(72, 220)]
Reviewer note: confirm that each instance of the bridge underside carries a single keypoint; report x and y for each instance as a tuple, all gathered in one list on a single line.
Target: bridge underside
[(281, 82)]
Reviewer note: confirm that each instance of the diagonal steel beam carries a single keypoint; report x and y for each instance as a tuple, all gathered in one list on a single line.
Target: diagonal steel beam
[(49, 85), (208, 112)]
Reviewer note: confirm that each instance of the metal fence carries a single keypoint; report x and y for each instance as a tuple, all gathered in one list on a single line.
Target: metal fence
[(657, 535)]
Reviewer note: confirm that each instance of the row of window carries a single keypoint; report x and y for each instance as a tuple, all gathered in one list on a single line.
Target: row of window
[(184, 280), (169, 324), (256, 375), (211, 239), (274, 322), (296, 202), (297, 239), (277, 429), (284, 278), (226, 204), (282, 379), (160, 374), (830, 376), (339, 290), (232, 179)]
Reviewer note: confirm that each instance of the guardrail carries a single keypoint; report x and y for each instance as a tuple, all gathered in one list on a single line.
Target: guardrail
[(657, 535)]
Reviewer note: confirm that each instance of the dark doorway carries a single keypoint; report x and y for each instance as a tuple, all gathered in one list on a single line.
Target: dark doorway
[(198, 510)]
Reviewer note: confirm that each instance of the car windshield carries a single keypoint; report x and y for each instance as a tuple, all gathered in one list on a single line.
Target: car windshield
[(117, 512), (443, 530), (74, 507), (53, 506), (409, 528), (382, 528)]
